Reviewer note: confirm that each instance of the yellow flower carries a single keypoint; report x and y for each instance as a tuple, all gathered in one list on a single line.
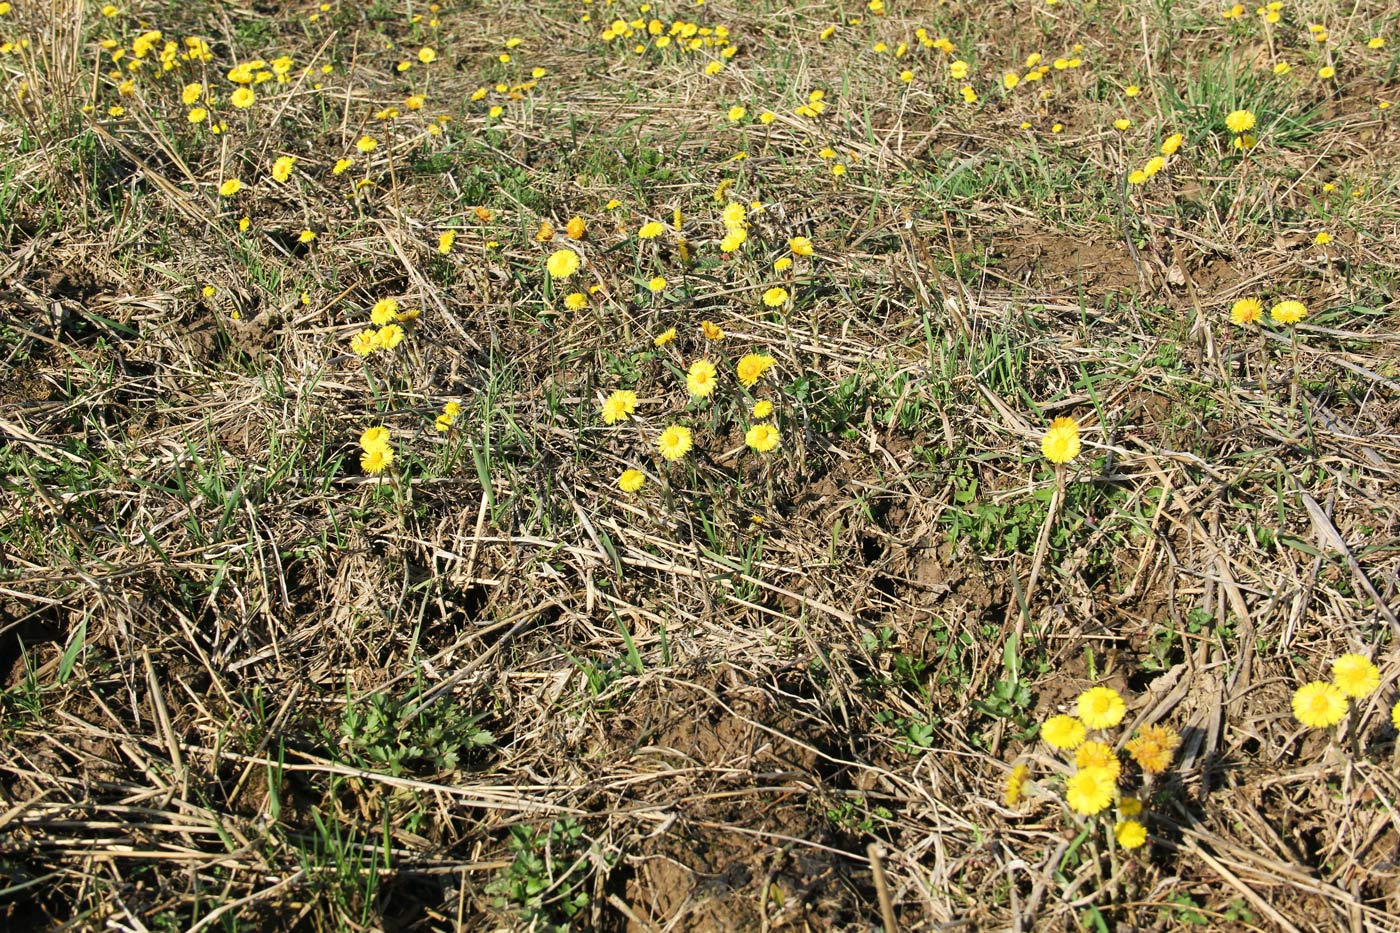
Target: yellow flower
[(751, 368), (782, 264), (1376, 43), (562, 263), (762, 408), (1061, 442), (1130, 834), (1239, 121), (1010, 80), (1122, 124), (1246, 311), (906, 76), (1101, 708), (452, 409), (1063, 732), (1016, 785), (209, 291), (1322, 238), (1137, 177), (341, 165), (576, 301), (306, 236), (575, 228), (1097, 755), (389, 336), (191, 93), (366, 144), (1282, 68), (1172, 143), (619, 406), (1318, 705), (197, 115), (711, 330), (1326, 72), (700, 378), (282, 168), (243, 224), (1132, 90), (762, 437), (665, 337), (1129, 807), (775, 297), (958, 70), (1395, 715), (737, 113), (243, 98), (1355, 675), (231, 187), (631, 480), (445, 241), (651, 230), (969, 96), (801, 246), (657, 285), (1288, 312), (376, 461), (1090, 790), (443, 422), (375, 438), (384, 311), (1154, 165), (1152, 748), (675, 442), (427, 55)]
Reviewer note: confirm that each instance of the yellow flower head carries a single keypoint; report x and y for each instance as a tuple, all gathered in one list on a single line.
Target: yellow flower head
[(1288, 312), (389, 336), (1246, 311), (1063, 732), (575, 228), (762, 437), (665, 337), (1129, 807), (801, 246), (377, 460), (700, 379), (1101, 708), (1355, 675), (657, 284), (762, 408), (1016, 784), (191, 93), (576, 301), (711, 330), (675, 442), (631, 480), (958, 70), (243, 98), (651, 230), (1090, 790), (1172, 143), (1395, 715), (775, 297), (562, 263), (751, 368), (341, 165), (384, 311), (1318, 705), (427, 55), (1061, 442), (363, 343), (445, 240), (231, 187), (375, 438), (1152, 748), (306, 236), (1097, 755), (282, 168), (367, 144), (1239, 121), (619, 406), (1130, 833)]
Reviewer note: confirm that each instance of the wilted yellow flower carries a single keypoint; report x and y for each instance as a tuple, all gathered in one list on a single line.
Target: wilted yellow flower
[(619, 406), (1016, 784), (1101, 707), (1063, 732), (675, 442), (1090, 790), (1097, 755), (562, 263), (1318, 705), (1129, 807), (631, 480), (1130, 833), (1239, 121), (1152, 748), (1355, 675), (1246, 311), (1061, 442), (711, 330), (700, 378), (1288, 312)]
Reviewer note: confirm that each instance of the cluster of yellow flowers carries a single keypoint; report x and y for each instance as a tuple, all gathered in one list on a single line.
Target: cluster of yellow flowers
[(1321, 704), (376, 451), (1251, 310), (388, 332), (1157, 163), (1092, 787), (682, 35)]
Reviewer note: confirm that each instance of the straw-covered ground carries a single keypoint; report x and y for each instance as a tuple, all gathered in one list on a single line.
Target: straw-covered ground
[(600, 466)]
